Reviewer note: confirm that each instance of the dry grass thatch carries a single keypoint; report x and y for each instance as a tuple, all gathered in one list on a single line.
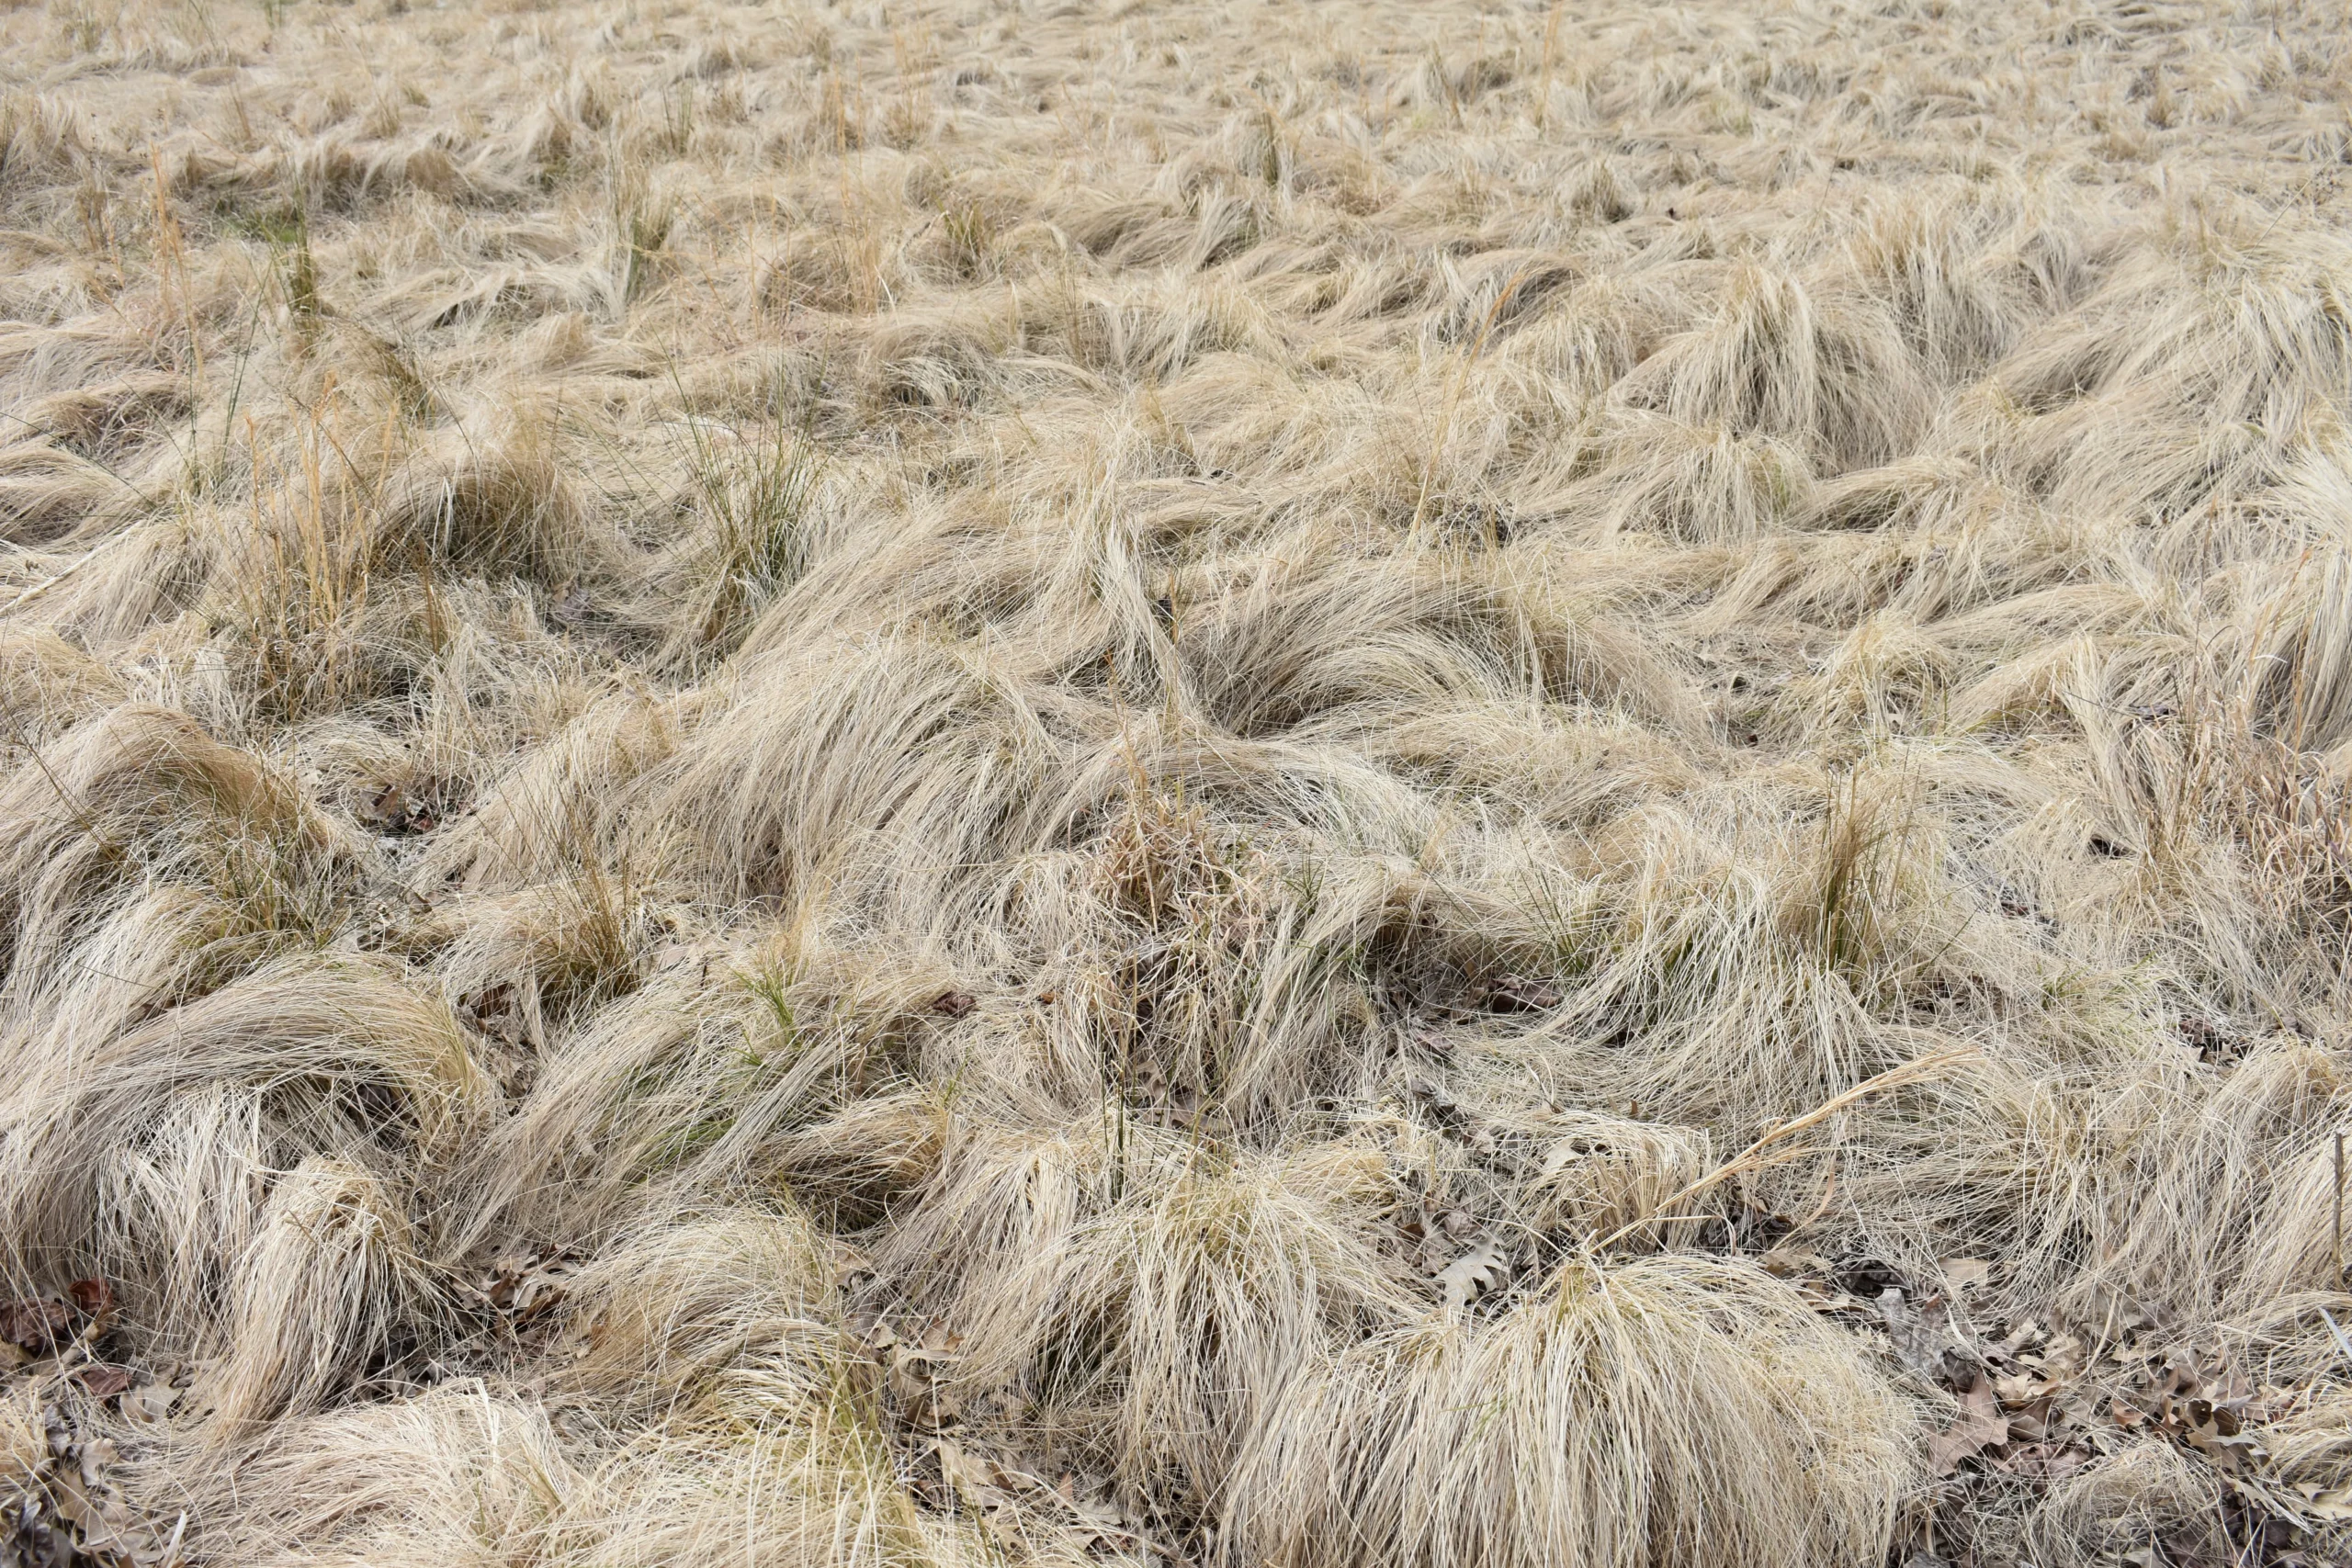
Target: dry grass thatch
[(1351, 786)]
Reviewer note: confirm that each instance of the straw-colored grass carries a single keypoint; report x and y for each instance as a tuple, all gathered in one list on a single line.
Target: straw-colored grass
[(1223, 783)]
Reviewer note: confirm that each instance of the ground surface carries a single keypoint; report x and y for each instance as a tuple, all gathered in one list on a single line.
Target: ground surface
[(1316, 785)]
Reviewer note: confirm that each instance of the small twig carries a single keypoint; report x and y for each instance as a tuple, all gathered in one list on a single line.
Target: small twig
[(2343, 1340), (2337, 1233), (1753, 1156), (38, 589)]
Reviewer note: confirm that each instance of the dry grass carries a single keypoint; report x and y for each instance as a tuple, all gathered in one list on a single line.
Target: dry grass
[(840, 785)]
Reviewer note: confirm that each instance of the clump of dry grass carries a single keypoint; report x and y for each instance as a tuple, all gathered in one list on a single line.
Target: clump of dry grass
[(1170, 1319), (1108, 783), (1611, 1417)]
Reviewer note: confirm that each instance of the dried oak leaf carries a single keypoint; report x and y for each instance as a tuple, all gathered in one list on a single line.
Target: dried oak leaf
[(149, 1402), (1979, 1425), (1967, 1273), (979, 1481), (2333, 1506), (386, 808), (36, 1325), (2044, 1461), (526, 1284), (104, 1381), (1473, 1274), (1519, 994), (1922, 1336), (494, 1010), (2215, 1431)]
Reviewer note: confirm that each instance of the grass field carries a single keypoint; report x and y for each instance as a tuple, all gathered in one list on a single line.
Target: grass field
[(1259, 785)]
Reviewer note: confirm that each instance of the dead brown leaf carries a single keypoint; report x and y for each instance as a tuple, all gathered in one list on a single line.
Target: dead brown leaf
[(104, 1381), (1964, 1274), (1477, 1271), (1517, 994), (94, 1297), (526, 1285), (1979, 1425), (149, 1402), (1921, 1333), (2334, 1506), (36, 1325)]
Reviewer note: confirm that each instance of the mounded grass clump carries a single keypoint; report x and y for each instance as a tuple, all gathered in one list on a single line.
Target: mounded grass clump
[(1610, 1417)]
